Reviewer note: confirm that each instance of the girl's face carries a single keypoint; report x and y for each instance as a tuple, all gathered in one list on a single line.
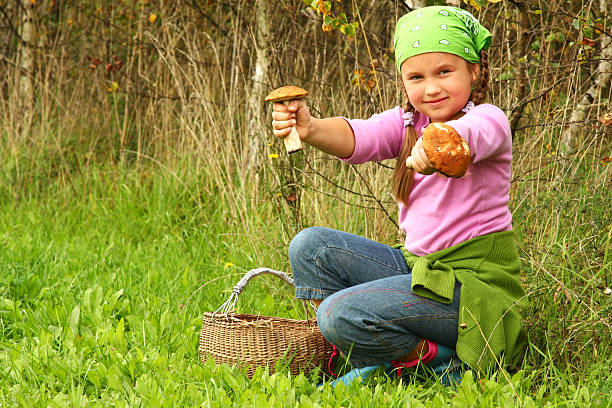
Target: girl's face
[(438, 84)]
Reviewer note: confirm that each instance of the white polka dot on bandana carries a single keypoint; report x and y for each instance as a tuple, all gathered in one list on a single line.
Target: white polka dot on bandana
[(444, 13), (416, 44), (416, 28), (466, 49), (446, 42), (444, 27)]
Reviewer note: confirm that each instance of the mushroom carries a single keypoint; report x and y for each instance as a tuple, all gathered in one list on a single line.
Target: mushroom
[(447, 151), (285, 94)]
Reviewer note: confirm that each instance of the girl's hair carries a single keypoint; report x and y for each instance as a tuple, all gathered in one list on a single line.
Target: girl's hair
[(403, 177)]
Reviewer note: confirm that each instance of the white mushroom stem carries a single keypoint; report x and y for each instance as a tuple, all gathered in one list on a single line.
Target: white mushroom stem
[(410, 162), (293, 143)]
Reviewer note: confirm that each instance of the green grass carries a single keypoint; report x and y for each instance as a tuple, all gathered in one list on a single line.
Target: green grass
[(90, 291)]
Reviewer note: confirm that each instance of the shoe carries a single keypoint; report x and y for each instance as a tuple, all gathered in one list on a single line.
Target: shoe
[(439, 359), (363, 372), (449, 370)]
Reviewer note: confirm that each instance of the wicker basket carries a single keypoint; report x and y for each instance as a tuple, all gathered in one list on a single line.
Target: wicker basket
[(259, 341)]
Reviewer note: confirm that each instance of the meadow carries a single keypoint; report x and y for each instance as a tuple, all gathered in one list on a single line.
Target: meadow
[(93, 284), (132, 199)]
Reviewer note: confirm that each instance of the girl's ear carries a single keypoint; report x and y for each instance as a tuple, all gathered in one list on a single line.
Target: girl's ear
[(475, 71)]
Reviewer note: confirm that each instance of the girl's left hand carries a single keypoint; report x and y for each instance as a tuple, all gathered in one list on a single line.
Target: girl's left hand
[(420, 161)]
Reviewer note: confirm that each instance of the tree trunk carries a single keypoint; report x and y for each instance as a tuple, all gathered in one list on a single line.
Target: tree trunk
[(25, 85), (601, 83), (521, 49), (256, 128), (415, 4)]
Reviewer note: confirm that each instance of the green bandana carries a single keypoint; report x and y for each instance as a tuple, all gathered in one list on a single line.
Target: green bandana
[(440, 29)]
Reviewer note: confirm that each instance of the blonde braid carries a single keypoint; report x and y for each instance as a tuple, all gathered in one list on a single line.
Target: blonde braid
[(403, 177), (479, 93)]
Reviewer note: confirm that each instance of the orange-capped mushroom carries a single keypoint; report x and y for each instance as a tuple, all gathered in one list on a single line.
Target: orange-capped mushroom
[(284, 94), (447, 151)]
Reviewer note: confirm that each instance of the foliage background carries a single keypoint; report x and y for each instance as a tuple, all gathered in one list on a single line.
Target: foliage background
[(145, 107)]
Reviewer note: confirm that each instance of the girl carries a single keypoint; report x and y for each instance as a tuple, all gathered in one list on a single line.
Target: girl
[(452, 293)]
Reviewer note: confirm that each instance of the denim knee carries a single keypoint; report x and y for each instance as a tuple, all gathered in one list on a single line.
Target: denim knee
[(303, 250), (305, 243), (327, 324), (333, 318)]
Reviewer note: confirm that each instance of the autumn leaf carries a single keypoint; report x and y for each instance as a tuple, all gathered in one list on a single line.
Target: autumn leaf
[(152, 18), (291, 197), (94, 62), (357, 77), (606, 119), (587, 42), (370, 84)]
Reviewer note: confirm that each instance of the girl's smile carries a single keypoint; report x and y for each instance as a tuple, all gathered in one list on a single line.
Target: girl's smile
[(438, 84), (436, 102)]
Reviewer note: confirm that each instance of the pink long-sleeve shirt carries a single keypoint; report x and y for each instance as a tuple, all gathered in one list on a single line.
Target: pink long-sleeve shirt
[(444, 211)]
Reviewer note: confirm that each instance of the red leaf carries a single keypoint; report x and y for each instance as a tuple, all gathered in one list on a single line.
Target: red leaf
[(588, 42)]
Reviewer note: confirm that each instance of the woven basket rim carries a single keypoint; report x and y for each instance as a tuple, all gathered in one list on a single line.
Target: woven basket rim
[(247, 318)]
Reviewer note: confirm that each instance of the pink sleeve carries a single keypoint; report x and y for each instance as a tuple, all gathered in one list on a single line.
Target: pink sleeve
[(487, 131), (377, 138)]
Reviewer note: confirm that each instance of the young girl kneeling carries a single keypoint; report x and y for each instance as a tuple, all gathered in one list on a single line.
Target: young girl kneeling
[(452, 293)]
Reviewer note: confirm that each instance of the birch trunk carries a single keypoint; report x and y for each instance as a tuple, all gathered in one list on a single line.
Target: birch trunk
[(256, 129), (601, 83), (25, 74), (415, 4)]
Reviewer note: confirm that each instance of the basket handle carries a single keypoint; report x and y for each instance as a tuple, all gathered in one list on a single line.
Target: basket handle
[(230, 303)]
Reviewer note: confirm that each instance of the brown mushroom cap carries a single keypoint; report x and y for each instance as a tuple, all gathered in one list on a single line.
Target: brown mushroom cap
[(286, 93), (447, 151)]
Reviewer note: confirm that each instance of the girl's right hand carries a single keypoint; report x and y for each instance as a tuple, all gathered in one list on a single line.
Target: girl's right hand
[(420, 161), (284, 117)]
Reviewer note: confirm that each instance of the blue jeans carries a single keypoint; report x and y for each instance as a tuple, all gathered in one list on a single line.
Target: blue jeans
[(369, 311)]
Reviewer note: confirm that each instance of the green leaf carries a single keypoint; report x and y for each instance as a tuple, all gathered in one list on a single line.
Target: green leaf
[(7, 304), (112, 300), (74, 318), (119, 330), (113, 377)]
